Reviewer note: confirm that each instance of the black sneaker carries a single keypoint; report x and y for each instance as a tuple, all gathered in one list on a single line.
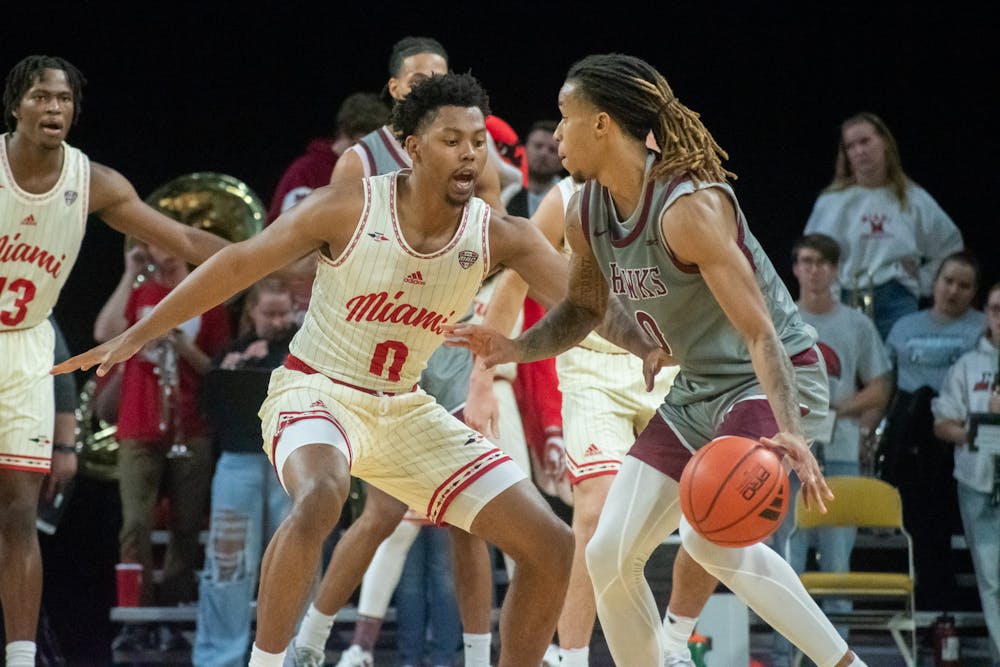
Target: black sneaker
[(170, 638), (133, 637)]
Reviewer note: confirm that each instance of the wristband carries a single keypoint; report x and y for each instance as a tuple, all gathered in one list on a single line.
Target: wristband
[(64, 448)]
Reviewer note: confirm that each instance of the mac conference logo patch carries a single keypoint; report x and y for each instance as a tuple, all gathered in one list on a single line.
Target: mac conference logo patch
[(467, 258)]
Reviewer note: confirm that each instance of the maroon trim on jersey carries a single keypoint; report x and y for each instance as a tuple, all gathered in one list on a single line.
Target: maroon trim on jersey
[(660, 447), (399, 232), (448, 491), (295, 364), (358, 231), (585, 212), (741, 238), (640, 223), (368, 156), (683, 267), (396, 150)]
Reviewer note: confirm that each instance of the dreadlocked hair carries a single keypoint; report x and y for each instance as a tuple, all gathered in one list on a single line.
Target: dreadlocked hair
[(441, 90), (24, 75), (640, 100)]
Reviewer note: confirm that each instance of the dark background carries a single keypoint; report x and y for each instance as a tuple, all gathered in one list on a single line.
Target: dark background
[(240, 88)]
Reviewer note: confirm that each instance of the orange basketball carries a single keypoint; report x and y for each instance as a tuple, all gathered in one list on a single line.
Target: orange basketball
[(734, 491)]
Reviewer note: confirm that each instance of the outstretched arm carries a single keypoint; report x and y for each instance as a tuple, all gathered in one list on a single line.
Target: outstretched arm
[(115, 201), (702, 231), (232, 269)]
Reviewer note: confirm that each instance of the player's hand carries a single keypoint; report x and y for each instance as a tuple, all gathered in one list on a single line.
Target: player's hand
[(801, 459), (104, 356), (64, 465), (482, 411), (554, 457), (654, 360), (489, 346)]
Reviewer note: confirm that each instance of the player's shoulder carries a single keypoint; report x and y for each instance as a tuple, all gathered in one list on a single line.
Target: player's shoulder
[(506, 223)]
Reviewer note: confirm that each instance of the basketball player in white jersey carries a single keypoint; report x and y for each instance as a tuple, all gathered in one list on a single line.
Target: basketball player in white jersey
[(412, 60), (401, 256), (47, 190)]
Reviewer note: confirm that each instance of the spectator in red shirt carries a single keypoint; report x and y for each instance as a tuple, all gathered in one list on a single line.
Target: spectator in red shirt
[(359, 114)]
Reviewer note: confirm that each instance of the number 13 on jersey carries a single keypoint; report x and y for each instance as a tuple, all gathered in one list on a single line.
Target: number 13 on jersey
[(24, 292)]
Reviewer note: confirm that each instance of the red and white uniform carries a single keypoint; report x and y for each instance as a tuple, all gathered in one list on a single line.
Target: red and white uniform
[(374, 319), (40, 237)]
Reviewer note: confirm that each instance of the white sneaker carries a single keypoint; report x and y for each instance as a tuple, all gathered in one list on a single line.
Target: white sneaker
[(303, 656), (355, 656), (551, 657), (674, 660)]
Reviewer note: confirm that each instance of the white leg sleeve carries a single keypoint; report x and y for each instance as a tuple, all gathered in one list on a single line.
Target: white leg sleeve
[(641, 510), (386, 568), (769, 585)]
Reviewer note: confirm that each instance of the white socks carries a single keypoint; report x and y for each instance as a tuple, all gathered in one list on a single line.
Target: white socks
[(574, 657), (678, 630), (314, 629), (477, 649), (259, 658), (21, 654)]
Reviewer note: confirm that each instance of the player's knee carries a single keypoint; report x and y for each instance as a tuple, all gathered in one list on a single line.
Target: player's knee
[(318, 503), (381, 520), (604, 558), (585, 523), (554, 553), (17, 517), (705, 552)]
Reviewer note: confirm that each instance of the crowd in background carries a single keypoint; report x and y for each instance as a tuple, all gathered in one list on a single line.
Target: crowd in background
[(882, 274)]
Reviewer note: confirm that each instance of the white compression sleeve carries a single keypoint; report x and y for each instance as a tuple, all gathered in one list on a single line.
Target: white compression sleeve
[(769, 585), (382, 575)]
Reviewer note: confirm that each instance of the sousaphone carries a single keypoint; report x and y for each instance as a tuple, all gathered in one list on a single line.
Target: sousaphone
[(216, 203)]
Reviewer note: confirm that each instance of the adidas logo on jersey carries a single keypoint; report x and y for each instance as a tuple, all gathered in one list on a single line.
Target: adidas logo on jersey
[(414, 279), (30, 220), (593, 450)]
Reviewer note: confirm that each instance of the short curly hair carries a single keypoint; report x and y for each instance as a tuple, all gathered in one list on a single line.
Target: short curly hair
[(24, 75), (411, 114)]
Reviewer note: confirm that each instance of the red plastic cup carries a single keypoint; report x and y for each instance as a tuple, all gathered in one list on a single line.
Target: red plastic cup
[(129, 579)]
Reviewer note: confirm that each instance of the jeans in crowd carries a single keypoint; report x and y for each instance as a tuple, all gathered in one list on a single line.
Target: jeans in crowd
[(248, 503), (426, 610), (981, 521)]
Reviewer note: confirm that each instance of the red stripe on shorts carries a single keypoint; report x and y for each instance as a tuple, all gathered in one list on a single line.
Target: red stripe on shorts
[(460, 480)]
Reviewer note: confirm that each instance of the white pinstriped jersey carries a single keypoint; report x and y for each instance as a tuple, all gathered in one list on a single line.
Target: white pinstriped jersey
[(376, 311), (40, 237)]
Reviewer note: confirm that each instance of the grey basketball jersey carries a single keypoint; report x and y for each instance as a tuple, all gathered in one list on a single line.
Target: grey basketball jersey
[(381, 153), (672, 302)]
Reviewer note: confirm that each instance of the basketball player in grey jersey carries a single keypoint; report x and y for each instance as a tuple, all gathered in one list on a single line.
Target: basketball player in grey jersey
[(665, 233)]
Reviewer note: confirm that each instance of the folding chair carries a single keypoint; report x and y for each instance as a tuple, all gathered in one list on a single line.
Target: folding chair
[(864, 502)]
